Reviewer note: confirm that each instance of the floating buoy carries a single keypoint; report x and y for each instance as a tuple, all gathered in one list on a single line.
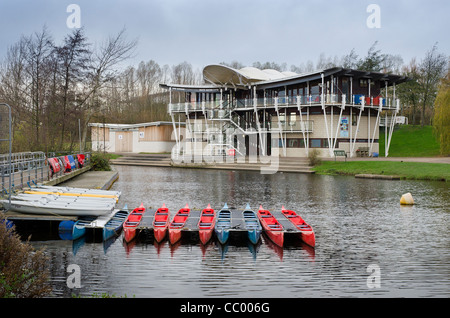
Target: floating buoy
[(407, 199)]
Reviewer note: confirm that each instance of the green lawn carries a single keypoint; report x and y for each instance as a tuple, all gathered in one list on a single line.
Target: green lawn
[(411, 141), (405, 170), (407, 141)]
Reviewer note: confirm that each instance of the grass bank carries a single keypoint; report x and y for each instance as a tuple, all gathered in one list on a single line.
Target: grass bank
[(411, 141), (405, 170)]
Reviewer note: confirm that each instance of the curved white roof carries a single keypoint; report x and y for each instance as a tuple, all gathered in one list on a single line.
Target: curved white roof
[(224, 75)]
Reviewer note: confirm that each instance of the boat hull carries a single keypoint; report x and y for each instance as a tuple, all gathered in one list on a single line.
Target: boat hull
[(160, 223), (271, 227), (306, 231), (129, 233), (254, 236), (132, 222), (205, 235), (32, 207), (222, 235), (206, 224), (177, 224), (78, 231), (115, 225), (160, 233), (276, 236), (252, 225), (223, 224), (174, 235)]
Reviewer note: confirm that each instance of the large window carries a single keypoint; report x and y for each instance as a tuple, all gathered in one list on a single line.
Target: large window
[(300, 143)]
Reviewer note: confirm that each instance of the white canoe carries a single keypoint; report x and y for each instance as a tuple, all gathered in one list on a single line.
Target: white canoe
[(61, 208), (74, 190), (61, 198)]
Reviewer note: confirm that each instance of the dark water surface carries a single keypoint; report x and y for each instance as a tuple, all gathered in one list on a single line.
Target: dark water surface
[(358, 223)]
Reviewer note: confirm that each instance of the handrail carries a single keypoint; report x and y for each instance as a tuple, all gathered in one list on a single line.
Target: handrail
[(287, 101)]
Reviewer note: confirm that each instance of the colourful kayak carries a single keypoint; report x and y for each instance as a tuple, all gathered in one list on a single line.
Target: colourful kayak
[(307, 234), (115, 224), (160, 223), (223, 224), (272, 227), (252, 224), (132, 222), (206, 224), (177, 224)]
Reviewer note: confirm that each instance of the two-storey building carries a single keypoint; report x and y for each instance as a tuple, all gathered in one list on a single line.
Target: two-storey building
[(266, 112)]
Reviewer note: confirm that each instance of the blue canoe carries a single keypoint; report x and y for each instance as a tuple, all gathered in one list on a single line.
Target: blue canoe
[(252, 224), (223, 224), (115, 224), (79, 228)]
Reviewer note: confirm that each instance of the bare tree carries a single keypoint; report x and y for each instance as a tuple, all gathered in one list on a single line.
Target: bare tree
[(114, 51), (432, 69), (72, 59), (39, 49)]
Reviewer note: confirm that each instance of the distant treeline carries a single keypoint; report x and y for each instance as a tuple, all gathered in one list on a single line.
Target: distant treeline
[(50, 86)]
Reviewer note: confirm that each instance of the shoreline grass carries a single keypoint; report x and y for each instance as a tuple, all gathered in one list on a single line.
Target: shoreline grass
[(405, 170), (411, 141)]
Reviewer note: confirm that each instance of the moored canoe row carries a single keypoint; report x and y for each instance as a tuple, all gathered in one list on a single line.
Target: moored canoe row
[(221, 223), (209, 222)]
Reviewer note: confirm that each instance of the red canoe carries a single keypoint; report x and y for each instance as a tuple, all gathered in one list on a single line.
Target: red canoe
[(307, 234), (131, 223), (160, 223), (206, 224), (177, 224), (271, 226)]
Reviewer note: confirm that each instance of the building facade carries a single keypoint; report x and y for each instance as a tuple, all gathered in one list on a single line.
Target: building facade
[(265, 112), (154, 137)]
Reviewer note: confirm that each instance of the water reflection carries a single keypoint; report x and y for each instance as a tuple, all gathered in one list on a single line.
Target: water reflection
[(357, 222)]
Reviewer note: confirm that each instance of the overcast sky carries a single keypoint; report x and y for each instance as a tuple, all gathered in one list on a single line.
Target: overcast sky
[(204, 32)]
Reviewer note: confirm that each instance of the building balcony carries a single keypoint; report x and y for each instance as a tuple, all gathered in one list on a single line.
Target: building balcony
[(339, 100)]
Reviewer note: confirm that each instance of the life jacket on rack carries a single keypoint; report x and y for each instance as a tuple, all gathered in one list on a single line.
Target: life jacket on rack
[(54, 165), (67, 165), (80, 159), (73, 165)]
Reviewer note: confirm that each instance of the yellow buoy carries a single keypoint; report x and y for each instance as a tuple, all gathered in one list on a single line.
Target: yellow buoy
[(407, 199)]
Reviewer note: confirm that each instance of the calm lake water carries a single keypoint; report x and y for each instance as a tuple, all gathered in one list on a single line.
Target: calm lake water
[(359, 225)]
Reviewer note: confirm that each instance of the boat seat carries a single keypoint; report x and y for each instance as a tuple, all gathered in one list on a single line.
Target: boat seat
[(132, 223), (160, 223)]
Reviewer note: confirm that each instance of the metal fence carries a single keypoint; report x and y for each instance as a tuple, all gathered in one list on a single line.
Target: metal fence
[(27, 168)]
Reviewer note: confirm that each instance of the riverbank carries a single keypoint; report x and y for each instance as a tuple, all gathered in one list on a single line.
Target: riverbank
[(403, 168)]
